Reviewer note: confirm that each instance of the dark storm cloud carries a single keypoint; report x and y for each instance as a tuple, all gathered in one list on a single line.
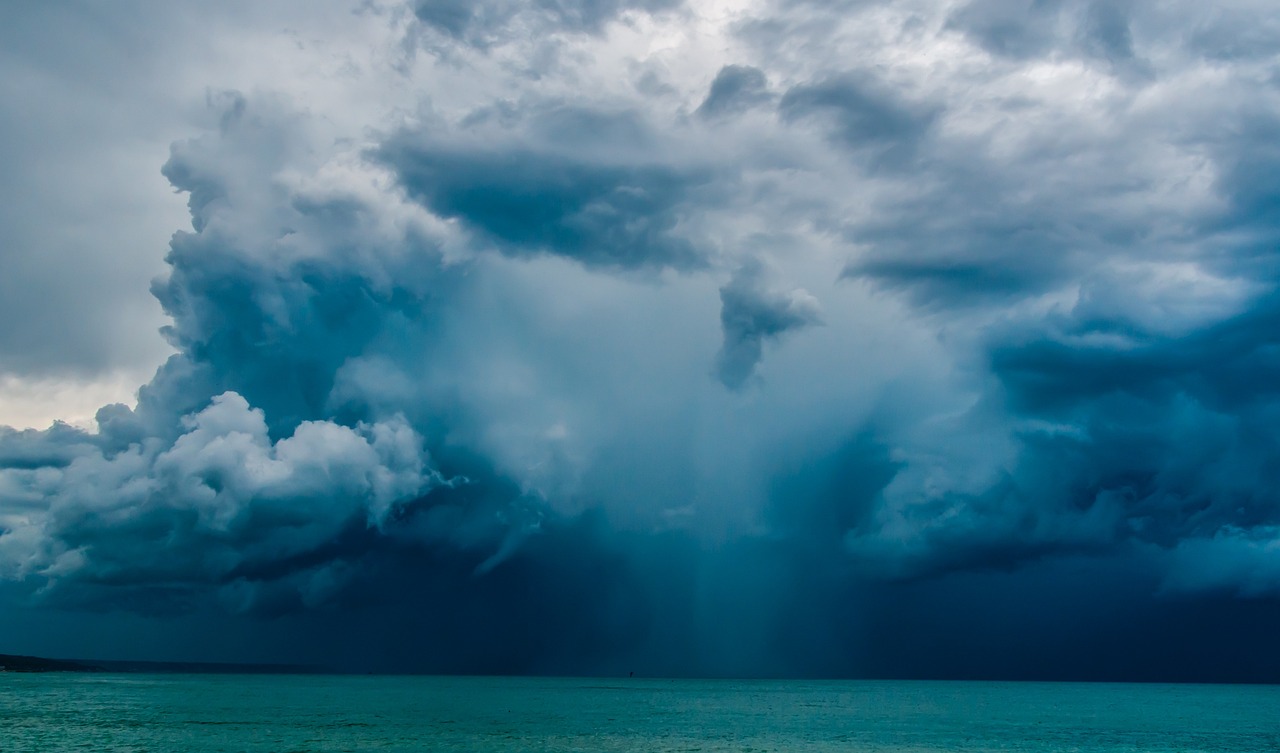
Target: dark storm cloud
[(1142, 395), (450, 16), (863, 115), (439, 402), (256, 306), (751, 314), (1226, 366), (942, 269), (1140, 429), (1172, 432), (735, 88), (262, 473), (590, 186), (1134, 439), (1246, 158), (269, 295), (977, 231)]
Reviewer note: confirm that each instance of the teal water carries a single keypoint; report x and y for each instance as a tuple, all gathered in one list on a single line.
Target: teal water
[(199, 713)]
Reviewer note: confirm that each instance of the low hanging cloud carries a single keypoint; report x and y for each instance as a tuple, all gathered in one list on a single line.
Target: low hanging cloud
[(222, 497), (751, 314)]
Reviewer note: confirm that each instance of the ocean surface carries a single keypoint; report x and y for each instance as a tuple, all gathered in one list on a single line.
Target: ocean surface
[(162, 713)]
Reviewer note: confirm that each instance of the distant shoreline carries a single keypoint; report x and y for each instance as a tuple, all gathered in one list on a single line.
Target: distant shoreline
[(20, 663)]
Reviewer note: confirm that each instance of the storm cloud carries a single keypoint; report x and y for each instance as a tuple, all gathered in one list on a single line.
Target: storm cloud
[(735, 88), (750, 315), (827, 339), (592, 186)]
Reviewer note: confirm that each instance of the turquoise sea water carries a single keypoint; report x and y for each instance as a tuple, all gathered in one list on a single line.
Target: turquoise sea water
[(161, 713)]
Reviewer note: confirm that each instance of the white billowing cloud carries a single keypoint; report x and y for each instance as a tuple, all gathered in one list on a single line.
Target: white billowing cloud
[(92, 100), (222, 497)]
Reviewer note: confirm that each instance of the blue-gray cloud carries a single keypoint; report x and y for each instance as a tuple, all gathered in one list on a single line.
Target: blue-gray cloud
[(735, 88), (621, 209), (1025, 29), (751, 314), (862, 114), (485, 23)]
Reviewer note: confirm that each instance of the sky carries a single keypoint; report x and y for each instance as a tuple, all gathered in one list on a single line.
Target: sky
[(797, 338)]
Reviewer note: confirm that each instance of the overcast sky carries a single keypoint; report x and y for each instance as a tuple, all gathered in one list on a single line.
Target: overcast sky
[(774, 337)]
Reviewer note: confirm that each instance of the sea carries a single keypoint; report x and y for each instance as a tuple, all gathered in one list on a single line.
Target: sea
[(294, 713)]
